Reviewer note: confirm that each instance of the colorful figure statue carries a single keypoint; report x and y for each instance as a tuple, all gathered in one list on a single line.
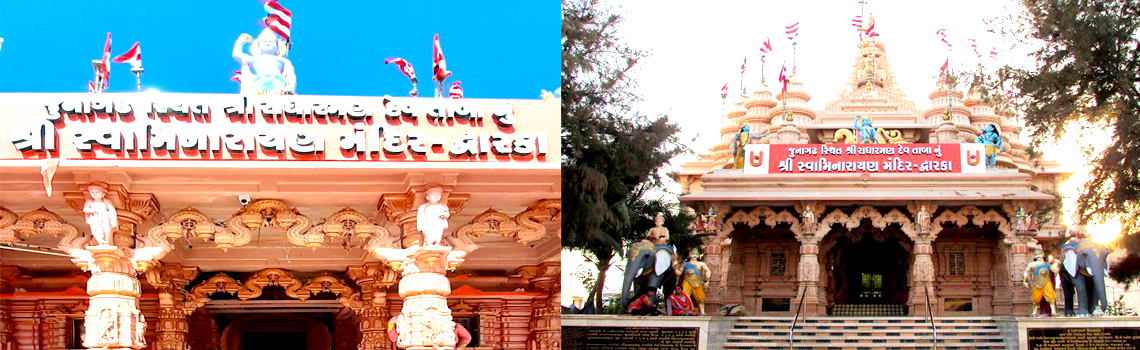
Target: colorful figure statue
[(1038, 277), (1021, 222), (101, 215), (1085, 262), (992, 139), (679, 304), (742, 138), (650, 263), (695, 276), (431, 217), (1076, 232), (710, 223), (265, 70), (864, 130)]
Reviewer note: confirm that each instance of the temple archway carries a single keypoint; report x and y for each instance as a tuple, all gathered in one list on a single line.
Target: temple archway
[(866, 269)]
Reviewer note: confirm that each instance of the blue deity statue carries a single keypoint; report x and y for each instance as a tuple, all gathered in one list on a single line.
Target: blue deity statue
[(265, 70), (864, 130), (992, 139), (742, 138)]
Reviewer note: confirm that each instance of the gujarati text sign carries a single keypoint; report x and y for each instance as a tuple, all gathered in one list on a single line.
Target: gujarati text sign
[(1117, 338), (629, 338), (864, 158)]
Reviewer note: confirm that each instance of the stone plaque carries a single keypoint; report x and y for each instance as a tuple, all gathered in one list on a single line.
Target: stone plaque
[(629, 338), (1084, 338)]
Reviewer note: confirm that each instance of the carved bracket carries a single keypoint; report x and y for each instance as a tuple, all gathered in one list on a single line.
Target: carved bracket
[(344, 224), (253, 287), (524, 228), (263, 213)]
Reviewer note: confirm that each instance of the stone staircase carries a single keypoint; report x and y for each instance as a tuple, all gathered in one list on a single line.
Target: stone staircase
[(868, 310), (865, 333)]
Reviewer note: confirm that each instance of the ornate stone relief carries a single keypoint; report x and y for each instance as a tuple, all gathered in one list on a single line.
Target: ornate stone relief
[(346, 224), (524, 228), (40, 221), (265, 213), (253, 288), (756, 216)]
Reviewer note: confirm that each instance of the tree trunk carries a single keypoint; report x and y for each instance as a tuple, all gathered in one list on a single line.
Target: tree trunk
[(599, 285)]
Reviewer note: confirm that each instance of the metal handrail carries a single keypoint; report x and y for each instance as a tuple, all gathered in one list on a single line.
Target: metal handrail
[(930, 316), (792, 330)]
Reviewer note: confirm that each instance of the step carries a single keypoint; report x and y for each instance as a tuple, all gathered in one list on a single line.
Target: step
[(868, 325), (806, 345)]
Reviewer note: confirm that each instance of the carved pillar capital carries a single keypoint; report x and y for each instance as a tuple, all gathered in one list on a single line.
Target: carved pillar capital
[(131, 209), (545, 277)]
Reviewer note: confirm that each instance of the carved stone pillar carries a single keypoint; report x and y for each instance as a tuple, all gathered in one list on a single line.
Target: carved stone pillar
[(923, 271), (113, 319), (372, 305), (807, 278), (171, 280), (1019, 258), (546, 324)]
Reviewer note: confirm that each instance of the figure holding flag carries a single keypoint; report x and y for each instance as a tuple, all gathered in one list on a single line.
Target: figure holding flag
[(134, 58), (405, 67), (265, 70), (438, 67)]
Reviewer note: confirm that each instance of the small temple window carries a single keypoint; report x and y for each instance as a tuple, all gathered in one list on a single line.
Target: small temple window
[(75, 330), (776, 304), (778, 265), (957, 264)]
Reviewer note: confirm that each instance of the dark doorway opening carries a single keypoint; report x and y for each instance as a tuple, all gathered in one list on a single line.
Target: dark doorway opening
[(274, 340), (867, 271)]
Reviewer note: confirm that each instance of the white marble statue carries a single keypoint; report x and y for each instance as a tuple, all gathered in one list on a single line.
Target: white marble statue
[(265, 70), (431, 218), (100, 215)]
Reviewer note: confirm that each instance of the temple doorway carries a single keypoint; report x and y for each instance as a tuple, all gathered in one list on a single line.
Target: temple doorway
[(867, 271), (278, 331)]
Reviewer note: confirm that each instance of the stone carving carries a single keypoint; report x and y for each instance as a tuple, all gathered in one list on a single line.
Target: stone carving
[(267, 213), (272, 277), (531, 220), (100, 215), (40, 221), (923, 213), (524, 228), (809, 214), (994, 144), (431, 217), (864, 132), (265, 70), (345, 225), (188, 222), (294, 288), (923, 268)]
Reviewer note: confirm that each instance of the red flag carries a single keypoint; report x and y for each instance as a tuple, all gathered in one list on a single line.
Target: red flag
[(857, 22), (724, 91), (404, 66), (993, 52), (438, 64), (784, 78), (974, 44), (743, 65), (133, 56), (870, 27), (90, 86), (944, 65), (942, 32), (107, 62), (456, 91), (792, 30), (279, 20), (236, 76), (767, 48)]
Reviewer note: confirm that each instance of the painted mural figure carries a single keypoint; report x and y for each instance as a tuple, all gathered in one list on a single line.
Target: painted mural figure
[(1038, 277), (992, 139), (431, 218), (695, 276), (100, 215), (265, 70), (864, 130)]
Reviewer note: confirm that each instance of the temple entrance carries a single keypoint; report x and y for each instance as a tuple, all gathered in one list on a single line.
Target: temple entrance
[(278, 331), (867, 271)]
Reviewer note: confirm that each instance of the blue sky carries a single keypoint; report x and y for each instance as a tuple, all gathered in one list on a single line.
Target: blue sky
[(505, 49)]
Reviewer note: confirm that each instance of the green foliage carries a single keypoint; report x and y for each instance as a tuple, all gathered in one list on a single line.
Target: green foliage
[(1088, 73), (611, 154), (1119, 308)]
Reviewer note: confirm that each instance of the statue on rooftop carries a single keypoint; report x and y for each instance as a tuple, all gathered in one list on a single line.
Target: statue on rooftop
[(100, 215), (864, 130), (992, 139), (265, 70), (742, 138)]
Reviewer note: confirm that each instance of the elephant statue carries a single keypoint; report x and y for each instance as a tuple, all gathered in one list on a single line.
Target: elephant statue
[(648, 266), (1085, 263)]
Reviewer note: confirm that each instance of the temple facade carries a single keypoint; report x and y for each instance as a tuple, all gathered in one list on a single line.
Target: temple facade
[(870, 206), (197, 221)]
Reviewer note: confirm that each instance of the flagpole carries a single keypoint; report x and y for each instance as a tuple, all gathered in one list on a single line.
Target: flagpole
[(949, 96), (743, 91), (794, 55), (762, 83), (99, 78), (784, 90), (138, 77)]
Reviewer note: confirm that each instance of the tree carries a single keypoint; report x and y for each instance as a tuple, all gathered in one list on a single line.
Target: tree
[(610, 153), (1088, 74)]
